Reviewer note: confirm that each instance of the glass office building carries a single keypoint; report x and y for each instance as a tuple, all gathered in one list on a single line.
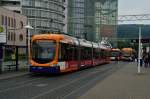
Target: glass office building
[(92, 19), (76, 10), (44, 15)]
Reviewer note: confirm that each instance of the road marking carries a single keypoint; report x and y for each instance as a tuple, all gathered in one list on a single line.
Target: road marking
[(41, 85)]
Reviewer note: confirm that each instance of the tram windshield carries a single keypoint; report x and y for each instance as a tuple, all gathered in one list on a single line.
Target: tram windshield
[(115, 54), (43, 51)]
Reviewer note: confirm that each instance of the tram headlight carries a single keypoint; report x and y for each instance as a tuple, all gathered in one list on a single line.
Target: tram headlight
[(53, 65)]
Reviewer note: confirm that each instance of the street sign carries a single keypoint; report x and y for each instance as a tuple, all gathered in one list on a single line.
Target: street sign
[(142, 40), (13, 56), (2, 35), (1, 29)]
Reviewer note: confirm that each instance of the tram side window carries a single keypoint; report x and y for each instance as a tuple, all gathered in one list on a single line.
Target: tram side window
[(63, 52), (82, 53), (70, 52), (88, 53), (105, 53), (67, 52), (102, 54), (76, 53), (96, 53)]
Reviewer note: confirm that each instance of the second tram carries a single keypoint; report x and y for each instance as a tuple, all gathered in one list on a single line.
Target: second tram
[(128, 54), (115, 54)]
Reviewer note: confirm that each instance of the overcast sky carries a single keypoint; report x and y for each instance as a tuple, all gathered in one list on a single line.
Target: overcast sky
[(132, 7)]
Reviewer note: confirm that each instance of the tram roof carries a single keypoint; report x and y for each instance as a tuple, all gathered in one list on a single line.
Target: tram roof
[(70, 40), (47, 36), (115, 49)]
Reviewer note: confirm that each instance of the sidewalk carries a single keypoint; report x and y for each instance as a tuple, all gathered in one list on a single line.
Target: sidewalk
[(6, 74), (12, 74), (123, 84)]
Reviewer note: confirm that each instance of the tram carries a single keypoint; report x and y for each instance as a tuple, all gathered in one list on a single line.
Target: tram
[(115, 54), (128, 54), (58, 53)]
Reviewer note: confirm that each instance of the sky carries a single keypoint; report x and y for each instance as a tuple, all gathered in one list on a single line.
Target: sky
[(133, 7)]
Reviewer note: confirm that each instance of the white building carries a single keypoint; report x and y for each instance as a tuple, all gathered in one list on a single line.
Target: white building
[(43, 15), (13, 24)]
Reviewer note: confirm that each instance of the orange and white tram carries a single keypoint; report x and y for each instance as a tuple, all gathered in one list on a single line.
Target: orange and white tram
[(58, 53)]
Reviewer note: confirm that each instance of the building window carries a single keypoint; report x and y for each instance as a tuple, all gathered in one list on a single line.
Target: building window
[(21, 37), (21, 24), (14, 36), (9, 36), (12, 22), (2, 20), (15, 23), (6, 20)]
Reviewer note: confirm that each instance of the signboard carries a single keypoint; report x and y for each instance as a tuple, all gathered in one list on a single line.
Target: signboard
[(2, 35), (1, 29), (147, 40)]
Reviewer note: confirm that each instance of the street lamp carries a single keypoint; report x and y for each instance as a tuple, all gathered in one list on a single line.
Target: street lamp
[(28, 27)]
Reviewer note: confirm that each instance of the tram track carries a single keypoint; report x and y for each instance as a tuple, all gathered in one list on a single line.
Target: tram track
[(16, 84), (63, 93), (53, 85), (66, 90)]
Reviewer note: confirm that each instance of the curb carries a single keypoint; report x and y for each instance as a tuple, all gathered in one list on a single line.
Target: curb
[(5, 77)]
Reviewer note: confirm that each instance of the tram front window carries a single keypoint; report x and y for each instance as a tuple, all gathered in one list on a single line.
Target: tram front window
[(43, 51), (114, 54)]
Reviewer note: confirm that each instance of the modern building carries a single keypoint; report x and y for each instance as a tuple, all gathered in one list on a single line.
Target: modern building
[(14, 5), (92, 19), (43, 15), (66, 16), (13, 25)]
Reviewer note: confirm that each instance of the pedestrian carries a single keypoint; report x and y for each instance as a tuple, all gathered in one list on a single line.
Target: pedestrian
[(141, 62), (148, 59)]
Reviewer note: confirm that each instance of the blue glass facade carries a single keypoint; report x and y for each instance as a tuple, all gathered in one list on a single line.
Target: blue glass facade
[(94, 18)]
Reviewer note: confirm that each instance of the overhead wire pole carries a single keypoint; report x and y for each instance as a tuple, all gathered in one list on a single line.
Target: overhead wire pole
[(139, 17), (139, 52)]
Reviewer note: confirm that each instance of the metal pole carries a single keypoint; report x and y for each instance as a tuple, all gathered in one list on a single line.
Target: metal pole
[(28, 46), (139, 52), (1, 58), (28, 39), (16, 57)]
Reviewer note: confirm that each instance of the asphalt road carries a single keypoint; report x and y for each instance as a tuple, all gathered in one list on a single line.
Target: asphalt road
[(64, 86)]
